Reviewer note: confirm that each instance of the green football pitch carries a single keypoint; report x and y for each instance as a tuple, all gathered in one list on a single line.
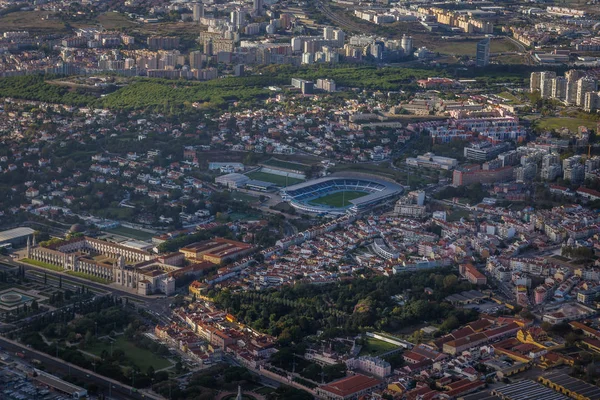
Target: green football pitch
[(338, 199)]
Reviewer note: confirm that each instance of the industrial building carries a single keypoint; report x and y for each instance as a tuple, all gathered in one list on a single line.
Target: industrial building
[(15, 237), (572, 387), (51, 381), (232, 181), (526, 389), (216, 250)]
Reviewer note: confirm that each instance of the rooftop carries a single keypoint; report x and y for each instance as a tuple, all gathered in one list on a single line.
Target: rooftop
[(15, 233), (350, 385)]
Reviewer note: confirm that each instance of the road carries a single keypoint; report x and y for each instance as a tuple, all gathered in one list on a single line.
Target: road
[(110, 386)]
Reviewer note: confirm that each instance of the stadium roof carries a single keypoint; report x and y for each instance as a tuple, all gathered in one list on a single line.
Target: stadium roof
[(390, 188), (16, 233)]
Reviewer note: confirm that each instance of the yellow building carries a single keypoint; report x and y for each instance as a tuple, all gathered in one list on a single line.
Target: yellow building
[(592, 344)]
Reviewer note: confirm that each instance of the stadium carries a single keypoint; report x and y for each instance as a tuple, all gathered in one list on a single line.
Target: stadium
[(339, 195)]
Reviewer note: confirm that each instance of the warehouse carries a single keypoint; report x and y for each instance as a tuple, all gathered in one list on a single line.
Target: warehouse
[(15, 237), (526, 389), (232, 181), (51, 381), (570, 386)]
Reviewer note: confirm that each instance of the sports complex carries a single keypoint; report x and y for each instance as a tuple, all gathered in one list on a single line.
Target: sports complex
[(340, 195)]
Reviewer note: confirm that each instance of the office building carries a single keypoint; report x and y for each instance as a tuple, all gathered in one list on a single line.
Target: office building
[(591, 101), (584, 85), (407, 44), (257, 7), (198, 12), (196, 59), (483, 53), (559, 88), (534, 81), (546, 83), (327, 85)]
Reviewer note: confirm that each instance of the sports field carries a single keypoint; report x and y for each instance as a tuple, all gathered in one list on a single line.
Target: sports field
[(375, 347), (338, 199), (286, 164), (276, 179), (130, 233)]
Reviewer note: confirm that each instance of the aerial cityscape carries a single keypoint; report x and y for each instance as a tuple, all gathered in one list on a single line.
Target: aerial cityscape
[(296, 200)]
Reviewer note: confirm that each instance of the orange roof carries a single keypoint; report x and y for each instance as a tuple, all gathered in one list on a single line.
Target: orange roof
[(349, 385)]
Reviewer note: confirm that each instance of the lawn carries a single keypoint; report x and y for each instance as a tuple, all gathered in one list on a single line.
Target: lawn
[(131, 233), (276, 179), (141, 357), (42, 264), (244, 197), (469, 47), (265, 390), (376, 347), (509, 96), (456, 215), (89, 277), (339, 199), (112, 20), (551, 123)]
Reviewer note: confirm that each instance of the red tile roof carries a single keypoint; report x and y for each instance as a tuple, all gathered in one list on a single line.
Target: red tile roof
[(349, 385)]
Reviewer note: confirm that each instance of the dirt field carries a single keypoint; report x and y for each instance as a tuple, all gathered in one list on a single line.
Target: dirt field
[(30, 21)]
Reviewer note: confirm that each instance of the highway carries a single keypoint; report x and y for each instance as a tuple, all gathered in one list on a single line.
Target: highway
[(110, 386)]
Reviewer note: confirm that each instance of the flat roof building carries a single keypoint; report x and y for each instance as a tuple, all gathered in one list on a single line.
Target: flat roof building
[(351, 387), (216, 250), (572, 387), (527, 389), (16, 236), (233, 180), (73, 391)]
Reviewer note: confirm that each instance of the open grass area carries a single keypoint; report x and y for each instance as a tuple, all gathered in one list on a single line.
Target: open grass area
[(42, 264), (511, 59), (469, 47), (244, 197), (265, 390), (141, 357), (338, 199), (551, 123), (131, 233), (243, 217), (113, 20), (375, 347), (89, 277), (31, 21), (456, 215), (509, 96), (276, 179)]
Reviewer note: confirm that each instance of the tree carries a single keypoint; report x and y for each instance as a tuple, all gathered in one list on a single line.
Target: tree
[(450, 281)]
